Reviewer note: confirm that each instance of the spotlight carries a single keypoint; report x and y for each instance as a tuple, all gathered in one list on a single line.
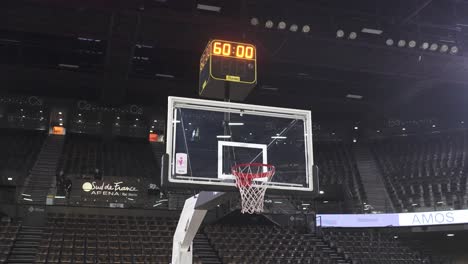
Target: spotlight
[(254, 21), (412, 44), (306, 28), (444, 48), (454, 50), (352, 35), (401, 43), (425, 46), (269, 24), (339, 33), (293, 28), (281, 25), (389, 42), (433, 47)]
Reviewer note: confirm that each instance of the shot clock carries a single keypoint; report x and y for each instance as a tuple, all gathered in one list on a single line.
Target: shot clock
[(227, 64)]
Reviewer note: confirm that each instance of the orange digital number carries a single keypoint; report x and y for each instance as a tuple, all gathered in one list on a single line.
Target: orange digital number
[(226, 49), (217, 48), (249, 52), (240, 51)]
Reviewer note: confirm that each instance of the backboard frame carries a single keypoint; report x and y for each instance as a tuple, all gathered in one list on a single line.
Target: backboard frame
[(239, 108)]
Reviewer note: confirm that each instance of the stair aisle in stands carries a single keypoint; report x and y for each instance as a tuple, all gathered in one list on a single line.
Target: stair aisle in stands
[(372, 179), (43, 174), (204, 251), (26, 245)]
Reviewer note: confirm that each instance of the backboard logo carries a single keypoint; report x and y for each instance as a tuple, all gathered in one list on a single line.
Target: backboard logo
[(181, 163)]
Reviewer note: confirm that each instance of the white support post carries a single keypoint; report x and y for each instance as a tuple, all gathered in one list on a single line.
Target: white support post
[(189, 222)]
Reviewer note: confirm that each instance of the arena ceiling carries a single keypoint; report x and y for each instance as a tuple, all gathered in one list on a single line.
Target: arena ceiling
[(141, 51)]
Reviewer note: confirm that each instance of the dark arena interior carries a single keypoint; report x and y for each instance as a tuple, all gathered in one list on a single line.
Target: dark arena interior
[(330, 131)]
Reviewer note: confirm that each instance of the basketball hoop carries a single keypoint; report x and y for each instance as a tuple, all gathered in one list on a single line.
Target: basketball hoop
[(252, 180)]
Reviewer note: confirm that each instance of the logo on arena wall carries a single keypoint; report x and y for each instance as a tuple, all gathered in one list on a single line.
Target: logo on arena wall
[(434, 218), (109, 189)]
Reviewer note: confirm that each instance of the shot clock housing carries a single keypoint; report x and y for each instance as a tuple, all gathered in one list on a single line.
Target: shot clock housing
[(227, 63)]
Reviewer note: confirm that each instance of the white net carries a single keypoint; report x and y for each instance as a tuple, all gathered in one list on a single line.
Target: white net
[(252, 180)]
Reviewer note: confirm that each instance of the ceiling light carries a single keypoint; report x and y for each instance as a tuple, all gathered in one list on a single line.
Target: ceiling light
[(293, 28), (281, 25), (450, 235), (27, 195), (59, 113), (269, 24), (372, 31), (279, 137), (59, 197), (415, 204), (340, 33), (378, 131), (10, 179), (454, 50), (352, 35), (254, 21), (433, 47), (209, 8), (389, 42), (401, 43), (412, 44), (356, 128), (223, 136), (305, 204), (425, 46), (403, 129), (444, 48), (395, 237), (136, 119), (235, 124), (306, 28), (71, 66), (162, 75), (321, 192), (325, 202), (433, 125), (61, 124), (354, 140), (354, 96), (27, 199)]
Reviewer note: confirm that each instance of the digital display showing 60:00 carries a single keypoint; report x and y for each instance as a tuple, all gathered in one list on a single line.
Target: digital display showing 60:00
[(232, 49)]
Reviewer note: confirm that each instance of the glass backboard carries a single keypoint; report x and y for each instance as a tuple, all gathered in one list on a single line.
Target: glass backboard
[(205, 139)]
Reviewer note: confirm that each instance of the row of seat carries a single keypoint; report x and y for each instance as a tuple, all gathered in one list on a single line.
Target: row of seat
[(119, 157), (425, 170), (370, 246), (268, 244), (106, 239)]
